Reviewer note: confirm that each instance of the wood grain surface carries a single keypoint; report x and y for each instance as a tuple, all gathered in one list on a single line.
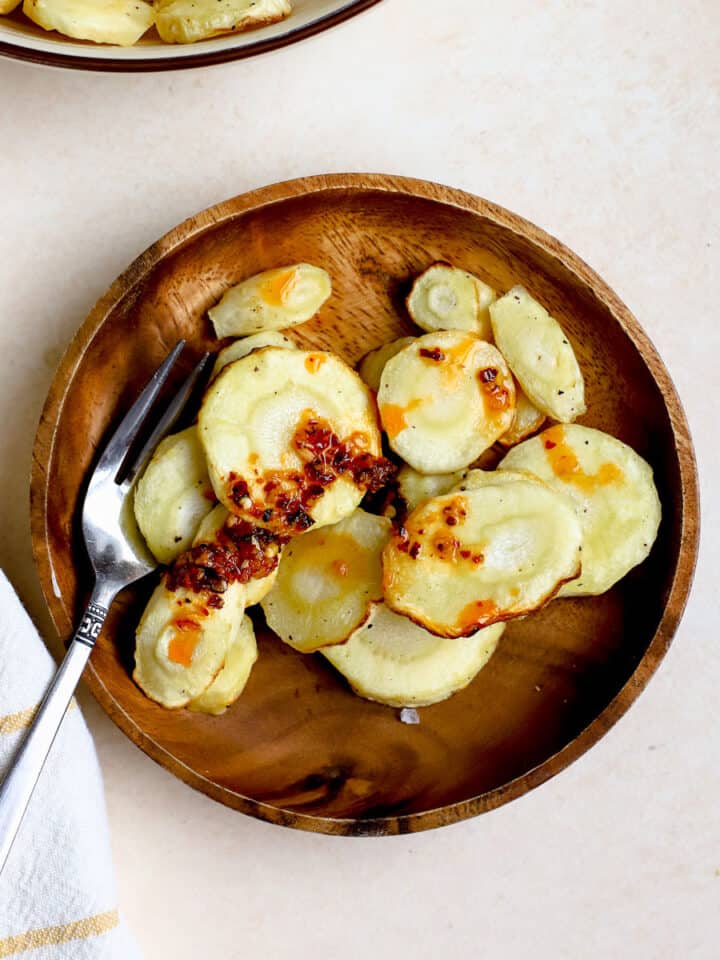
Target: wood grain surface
[(298, 748)]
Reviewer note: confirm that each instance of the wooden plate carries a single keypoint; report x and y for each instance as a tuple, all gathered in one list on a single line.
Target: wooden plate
[(298, 748)]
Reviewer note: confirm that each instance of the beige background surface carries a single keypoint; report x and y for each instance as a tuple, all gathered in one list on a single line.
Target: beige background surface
[(600, 121)]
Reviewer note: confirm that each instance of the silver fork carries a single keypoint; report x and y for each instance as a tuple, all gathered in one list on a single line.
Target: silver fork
[(118, 556)]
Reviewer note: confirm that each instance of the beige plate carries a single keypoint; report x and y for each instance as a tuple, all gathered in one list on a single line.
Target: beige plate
[(23, 40), (298, 748)]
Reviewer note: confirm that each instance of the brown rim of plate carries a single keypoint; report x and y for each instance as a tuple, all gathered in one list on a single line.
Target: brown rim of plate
[(689, 501), (17, 51)]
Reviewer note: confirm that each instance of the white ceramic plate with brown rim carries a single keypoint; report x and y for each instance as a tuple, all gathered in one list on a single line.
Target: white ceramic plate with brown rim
[(21, 39)]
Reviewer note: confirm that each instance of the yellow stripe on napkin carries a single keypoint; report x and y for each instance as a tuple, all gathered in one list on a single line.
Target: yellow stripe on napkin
[(51, 936), (12, 722)]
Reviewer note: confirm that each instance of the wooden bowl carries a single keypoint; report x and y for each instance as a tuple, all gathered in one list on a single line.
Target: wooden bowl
[(21, 39), (298, 748)]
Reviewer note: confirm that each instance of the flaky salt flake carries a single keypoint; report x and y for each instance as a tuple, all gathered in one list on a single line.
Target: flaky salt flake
[(409, 715)]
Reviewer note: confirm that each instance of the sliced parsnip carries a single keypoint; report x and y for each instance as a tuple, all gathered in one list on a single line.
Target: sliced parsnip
[(214, 522), (485, 555), (181, 642), (391, 660), (7, 6), (173, 495), (539, 354), (415, 488), (227, 686), (121, 22), (528, 420), (473, 479), (613, 492), (244, 346), (328, 582), (373, 363), (186, 21), (271, 300), (444, 399), (291, 438), (444, 297)]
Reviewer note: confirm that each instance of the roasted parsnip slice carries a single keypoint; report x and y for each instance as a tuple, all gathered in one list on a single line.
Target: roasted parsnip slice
[(373, 363), (466, 560), (328, 582), (291, 439), (186, 21), (444, 399), (182, 641), (527, 421), (230, 682), (271, 300), (245, 345), (539, 354), (173, 495), (613, 493), (444, 297), (415, 488), (392, 660), (121, 22)]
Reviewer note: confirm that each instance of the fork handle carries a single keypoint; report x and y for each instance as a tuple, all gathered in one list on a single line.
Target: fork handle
[(26, 766)]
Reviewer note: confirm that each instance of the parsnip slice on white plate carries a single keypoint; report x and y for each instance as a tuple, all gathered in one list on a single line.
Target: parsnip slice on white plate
[(445, 297), (373, 363), (121, 22), (528, 420), (328, 582), (181, 642), (186, 21), (245, 345), (613, 493), (539, 354), (209, 532), (444, 399), (291, 438), (470, 559), (391, 660), (173, 495), (227, 686), (272, 300)]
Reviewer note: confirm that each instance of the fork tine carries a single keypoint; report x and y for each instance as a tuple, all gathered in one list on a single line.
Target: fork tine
[(117, 447), (166, 422)]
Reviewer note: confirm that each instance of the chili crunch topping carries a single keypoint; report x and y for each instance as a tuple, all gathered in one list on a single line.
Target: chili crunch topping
[(240, 552), (289, 495)]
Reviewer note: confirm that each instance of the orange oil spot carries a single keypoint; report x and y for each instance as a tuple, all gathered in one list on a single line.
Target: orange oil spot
[(456, 357), (478, 614), (566, 466), (394, 415), (340, 567), (498, 393), (314, 361), (184, 641), (275, 289)]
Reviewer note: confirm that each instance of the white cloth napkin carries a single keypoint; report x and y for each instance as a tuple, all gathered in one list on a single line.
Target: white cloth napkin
[(57, 891)]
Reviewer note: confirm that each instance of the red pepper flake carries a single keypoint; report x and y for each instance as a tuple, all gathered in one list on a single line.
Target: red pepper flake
[(549, 445), (434, 353), (488, 374)]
